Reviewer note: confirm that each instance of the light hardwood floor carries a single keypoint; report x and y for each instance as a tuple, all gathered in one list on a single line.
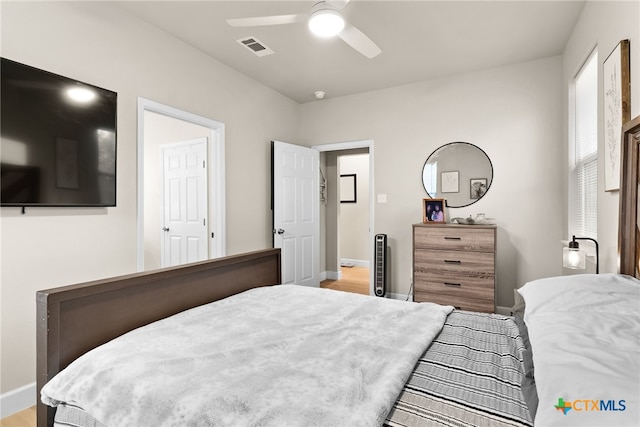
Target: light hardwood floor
[(26, 418), (354, 279)]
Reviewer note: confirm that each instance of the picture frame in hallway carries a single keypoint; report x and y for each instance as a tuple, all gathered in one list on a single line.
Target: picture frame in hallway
[(348, 188), (433, 211), (617, 110)]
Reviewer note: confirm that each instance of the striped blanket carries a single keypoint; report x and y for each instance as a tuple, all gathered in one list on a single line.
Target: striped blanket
[(469, 377)]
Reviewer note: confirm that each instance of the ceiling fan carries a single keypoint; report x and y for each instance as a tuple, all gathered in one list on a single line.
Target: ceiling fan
[(325, 20)]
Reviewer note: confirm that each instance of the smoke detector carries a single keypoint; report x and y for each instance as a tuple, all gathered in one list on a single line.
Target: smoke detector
[(319, 94)]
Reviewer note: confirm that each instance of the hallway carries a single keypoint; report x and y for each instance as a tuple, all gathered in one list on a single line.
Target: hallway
[(354, 279)]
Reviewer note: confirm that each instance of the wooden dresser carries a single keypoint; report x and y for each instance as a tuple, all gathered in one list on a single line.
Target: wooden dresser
[(455, 265)]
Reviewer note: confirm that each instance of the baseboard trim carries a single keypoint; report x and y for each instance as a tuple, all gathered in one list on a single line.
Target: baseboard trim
[(333, 275), (17, 400), (401, 297), (355, 262), (506, 311)]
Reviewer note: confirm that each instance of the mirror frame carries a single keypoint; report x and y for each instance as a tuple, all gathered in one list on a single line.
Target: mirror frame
[(472, 201)]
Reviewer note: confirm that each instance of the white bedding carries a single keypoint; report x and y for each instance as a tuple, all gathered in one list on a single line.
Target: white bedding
[(275, 356), (585, 337)]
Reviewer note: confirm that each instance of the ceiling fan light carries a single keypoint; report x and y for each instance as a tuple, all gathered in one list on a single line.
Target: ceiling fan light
[(326, 22)]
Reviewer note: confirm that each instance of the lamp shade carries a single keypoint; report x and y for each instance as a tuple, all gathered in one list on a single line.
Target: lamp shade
[(573, 258)]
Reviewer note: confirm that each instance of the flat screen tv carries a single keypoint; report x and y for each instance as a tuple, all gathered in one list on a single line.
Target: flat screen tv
[(58, 140)]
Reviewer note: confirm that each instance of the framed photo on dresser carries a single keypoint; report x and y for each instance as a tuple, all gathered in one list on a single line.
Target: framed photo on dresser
[(433, 211)]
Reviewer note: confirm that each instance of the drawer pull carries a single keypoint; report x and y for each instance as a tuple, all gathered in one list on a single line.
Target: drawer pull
[(452, 238), (451, 261), (457, 285)]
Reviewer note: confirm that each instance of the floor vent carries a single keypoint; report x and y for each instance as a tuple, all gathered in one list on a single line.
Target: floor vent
[(256, 46)]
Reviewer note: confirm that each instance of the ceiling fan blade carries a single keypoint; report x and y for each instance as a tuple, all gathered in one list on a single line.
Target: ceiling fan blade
[(359, 41), (267, 20)]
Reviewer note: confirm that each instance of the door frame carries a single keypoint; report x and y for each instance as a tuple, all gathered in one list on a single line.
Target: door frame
[(366, 143), (216, 179)]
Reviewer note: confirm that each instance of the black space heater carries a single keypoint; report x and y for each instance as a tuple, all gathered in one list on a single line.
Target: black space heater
[(380, 268)]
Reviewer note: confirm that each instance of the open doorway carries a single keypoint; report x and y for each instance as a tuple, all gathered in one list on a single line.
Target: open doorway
[(159, 124), (347, 216), (353, 219)]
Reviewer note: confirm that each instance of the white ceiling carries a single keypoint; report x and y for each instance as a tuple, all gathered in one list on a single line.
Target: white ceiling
[(420, 40)]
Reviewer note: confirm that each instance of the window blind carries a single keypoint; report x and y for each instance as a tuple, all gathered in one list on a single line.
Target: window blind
[(585, 169)]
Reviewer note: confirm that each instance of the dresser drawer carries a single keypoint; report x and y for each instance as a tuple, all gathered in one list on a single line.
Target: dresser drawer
[(458, 286), (458, 238), (459, 303), (455, 262)]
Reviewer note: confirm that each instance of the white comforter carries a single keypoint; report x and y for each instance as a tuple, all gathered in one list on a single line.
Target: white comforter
[(276, 356), (585, 336)]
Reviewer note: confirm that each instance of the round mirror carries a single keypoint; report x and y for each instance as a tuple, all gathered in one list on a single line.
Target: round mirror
[(459, 172)]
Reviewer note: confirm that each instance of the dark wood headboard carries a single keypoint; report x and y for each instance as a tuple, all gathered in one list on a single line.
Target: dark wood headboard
[(72, 320), (628, 231)]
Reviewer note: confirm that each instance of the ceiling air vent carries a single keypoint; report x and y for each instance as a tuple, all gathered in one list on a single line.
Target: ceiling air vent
[(255, 46)]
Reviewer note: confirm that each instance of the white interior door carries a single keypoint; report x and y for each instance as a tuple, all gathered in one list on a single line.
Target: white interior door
[(184, 231), (296, 223)]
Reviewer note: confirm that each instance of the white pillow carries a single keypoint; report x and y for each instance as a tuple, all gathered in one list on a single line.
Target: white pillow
[(605, 293), (584, 333)]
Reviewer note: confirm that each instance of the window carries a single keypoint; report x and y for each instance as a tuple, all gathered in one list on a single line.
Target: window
[(584, 164)]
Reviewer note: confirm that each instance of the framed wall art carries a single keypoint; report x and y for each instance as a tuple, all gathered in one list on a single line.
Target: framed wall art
[(348, 185), (617, 110), (477, 187), (449, 182)]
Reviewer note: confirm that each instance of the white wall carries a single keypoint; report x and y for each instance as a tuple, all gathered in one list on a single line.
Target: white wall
[(601, 26), (99, 43), (513, 113)]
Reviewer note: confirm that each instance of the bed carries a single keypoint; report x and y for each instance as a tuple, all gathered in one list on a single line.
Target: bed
[(405, 365), (369, 362)]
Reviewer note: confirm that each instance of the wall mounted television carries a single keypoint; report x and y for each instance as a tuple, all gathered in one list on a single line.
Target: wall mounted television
[(58, 140)]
